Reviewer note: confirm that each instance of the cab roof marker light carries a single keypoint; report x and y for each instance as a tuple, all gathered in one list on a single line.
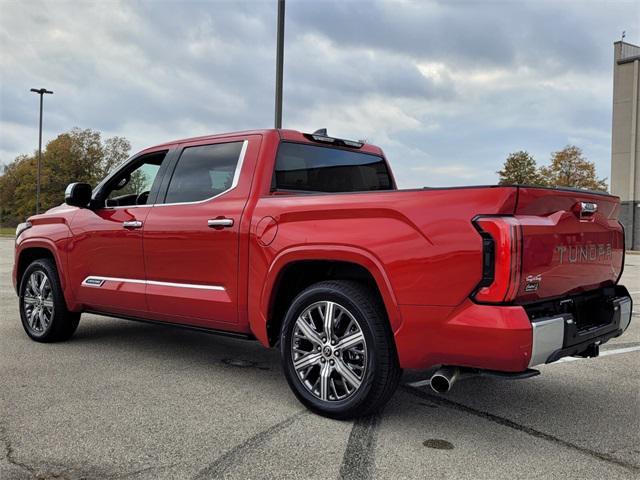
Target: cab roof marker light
[(322, 136)]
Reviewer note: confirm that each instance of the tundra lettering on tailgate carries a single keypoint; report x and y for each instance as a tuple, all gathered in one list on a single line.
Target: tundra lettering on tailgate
[(591, 253)]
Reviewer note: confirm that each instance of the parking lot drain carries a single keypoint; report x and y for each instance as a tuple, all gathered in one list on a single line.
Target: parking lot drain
[(438, 444), (521, 428)]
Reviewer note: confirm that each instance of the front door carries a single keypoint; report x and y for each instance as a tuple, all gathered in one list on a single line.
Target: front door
[(106, 263), (191, 236)]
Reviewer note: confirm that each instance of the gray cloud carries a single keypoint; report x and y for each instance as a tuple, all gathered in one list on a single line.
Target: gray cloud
[(446, 88)]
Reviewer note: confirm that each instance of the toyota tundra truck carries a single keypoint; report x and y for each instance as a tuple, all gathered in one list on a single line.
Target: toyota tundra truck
[(303, 242)]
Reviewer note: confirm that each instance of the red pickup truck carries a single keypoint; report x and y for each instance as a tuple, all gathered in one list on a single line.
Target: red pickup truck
[(303, 241)]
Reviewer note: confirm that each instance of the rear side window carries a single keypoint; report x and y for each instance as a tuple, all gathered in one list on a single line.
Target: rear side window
[(203, 172), (321, 169)]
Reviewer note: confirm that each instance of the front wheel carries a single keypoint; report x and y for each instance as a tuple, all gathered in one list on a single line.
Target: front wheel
[(43, 310), (337, 350)]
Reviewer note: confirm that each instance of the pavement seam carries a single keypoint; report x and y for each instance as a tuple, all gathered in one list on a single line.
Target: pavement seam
[(219, 467), (143, 470), (8, 449), (521, 428), (358, 458)]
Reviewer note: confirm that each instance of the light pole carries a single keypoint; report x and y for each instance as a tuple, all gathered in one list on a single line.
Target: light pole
[(41, 92), (279, 64)]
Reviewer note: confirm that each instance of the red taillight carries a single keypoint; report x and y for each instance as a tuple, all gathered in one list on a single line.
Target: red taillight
[(502, 245)]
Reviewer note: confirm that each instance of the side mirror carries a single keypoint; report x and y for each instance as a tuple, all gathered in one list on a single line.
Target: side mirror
[(77, 194)]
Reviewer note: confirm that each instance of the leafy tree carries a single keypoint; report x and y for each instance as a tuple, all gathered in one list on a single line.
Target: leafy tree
[(115, 150), (569, 168), (75, 156), (520, 168), (17, 190)]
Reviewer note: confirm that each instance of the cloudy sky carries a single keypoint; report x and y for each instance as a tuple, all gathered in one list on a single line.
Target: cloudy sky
[(447, 88)]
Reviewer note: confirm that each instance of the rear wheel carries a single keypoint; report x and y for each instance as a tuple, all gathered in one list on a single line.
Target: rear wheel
[(337, 350), (43, 310)]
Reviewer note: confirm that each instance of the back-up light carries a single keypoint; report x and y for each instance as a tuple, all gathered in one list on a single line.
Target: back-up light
[(501, 259)]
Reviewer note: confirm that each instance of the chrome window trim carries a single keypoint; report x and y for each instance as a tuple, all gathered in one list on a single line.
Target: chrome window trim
[(126, 206), (147, 282), (234, 182)]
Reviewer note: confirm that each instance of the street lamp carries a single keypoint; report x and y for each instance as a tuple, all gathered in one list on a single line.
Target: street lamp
[(41, 92), (279, 64)]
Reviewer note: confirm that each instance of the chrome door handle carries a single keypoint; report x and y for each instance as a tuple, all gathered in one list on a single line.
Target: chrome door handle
[(132, 224), (220, 222)]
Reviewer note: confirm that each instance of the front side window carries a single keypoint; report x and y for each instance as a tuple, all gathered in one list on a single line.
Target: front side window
[(203, 172), (132, 185), (322, 169)]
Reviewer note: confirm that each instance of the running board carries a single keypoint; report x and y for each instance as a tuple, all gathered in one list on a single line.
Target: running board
[(211, 331)]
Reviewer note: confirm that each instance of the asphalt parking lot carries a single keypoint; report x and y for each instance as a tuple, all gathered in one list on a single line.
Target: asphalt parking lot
[(129, 400)]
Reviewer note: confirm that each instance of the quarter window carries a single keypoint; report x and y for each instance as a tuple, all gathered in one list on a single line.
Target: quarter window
[(203, 172)]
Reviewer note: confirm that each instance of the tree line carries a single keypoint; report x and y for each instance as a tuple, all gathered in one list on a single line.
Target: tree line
[(81, 155), (568, 168)]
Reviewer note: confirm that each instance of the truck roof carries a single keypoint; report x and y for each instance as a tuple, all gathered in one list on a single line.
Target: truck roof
[(285, 134)]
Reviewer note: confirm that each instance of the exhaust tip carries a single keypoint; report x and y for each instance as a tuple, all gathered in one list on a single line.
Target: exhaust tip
[(443, 379), (440, 384)]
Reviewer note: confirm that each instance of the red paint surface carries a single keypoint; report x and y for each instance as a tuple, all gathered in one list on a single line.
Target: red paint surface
[(420, 246)]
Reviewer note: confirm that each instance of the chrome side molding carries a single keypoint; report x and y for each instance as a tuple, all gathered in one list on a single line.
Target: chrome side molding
[(96, 281)]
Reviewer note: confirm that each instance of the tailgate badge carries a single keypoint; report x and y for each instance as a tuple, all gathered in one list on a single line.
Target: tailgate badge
[(585, 209), (533, 282)]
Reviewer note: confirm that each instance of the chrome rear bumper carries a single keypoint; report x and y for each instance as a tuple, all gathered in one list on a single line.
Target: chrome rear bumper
[(556, 337)]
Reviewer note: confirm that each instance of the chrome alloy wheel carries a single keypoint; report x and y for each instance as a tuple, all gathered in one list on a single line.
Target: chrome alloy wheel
[(329, 351), (37, 302)]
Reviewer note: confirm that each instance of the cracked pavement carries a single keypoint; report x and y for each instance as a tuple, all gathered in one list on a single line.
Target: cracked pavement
[(125, 400)]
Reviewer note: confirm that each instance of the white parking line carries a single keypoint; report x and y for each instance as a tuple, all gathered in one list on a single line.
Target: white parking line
[(606, 353), (634, 293)]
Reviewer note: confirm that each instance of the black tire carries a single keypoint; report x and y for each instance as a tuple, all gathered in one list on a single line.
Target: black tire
[(62, 323), (380, 378)]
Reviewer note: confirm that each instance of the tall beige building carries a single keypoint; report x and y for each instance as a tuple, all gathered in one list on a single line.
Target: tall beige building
[(625, 138)]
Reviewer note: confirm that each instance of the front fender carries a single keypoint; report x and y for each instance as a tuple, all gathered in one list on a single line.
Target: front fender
[(57, 249)]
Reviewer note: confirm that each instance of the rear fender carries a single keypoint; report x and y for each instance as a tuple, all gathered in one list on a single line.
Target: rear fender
[(363, 258)]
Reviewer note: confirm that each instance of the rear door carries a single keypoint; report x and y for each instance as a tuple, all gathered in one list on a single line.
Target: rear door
[(191, 236), (572, 242)]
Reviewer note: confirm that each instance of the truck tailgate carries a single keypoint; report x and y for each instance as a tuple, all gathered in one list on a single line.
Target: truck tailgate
[(571, 242)]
